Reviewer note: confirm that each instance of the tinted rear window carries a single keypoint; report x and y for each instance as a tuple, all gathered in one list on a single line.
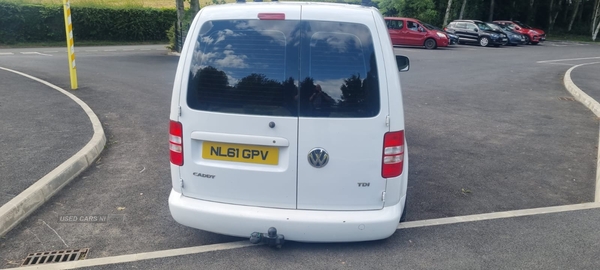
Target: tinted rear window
[(284, 68)]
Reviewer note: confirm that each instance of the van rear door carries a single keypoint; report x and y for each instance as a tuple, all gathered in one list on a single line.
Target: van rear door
[(240, 113), (343, 110)]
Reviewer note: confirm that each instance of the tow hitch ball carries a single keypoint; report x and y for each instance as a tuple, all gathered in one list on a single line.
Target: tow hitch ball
[(271, 238)]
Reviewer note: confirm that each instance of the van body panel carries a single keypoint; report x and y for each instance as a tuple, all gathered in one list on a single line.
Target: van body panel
[(258, 98), (351, 180), (229, 148)]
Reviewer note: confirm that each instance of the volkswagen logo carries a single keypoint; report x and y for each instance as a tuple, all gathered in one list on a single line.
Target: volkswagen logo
[(318, 157)]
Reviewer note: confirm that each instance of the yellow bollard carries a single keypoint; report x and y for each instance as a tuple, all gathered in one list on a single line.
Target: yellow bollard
[(70, 44)]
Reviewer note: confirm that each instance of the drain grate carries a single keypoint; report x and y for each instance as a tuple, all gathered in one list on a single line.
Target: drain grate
[(67, 255), (567, 98)]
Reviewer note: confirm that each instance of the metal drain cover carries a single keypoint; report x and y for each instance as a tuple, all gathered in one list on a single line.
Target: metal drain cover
[(67, 255), (567, 98)]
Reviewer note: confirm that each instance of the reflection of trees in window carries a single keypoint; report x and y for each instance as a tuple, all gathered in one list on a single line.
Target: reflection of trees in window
[(209, 89), (306, 90), (206, 87), (361, 96), (255, 93), (257, 89), (290, 92), (353, 92)]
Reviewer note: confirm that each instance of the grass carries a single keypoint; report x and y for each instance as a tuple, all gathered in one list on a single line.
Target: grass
[(571, 37), (106, 3), (78, 44), (118, 3)]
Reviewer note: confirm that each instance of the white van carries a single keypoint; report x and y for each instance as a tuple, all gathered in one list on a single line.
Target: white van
[(289, 115)]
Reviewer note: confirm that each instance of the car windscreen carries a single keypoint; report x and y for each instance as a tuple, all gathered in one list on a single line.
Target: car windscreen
[(429, 26), (483, 26), (494, 26), (522, 24), (284, 68), (504, 27)]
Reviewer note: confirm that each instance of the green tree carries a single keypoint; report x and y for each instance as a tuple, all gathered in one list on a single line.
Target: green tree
[(424, 10)]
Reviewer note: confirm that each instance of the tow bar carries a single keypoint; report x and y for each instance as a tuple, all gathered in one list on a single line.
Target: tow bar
[(271, 238)]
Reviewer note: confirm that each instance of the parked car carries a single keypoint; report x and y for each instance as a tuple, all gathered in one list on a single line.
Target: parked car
[(268, 104), (532, 35), (452, 37), (412, 32), (514, 38), (473, 31)]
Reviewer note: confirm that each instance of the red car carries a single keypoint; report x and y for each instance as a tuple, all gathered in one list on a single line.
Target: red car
[(412, 32), (532, 35)]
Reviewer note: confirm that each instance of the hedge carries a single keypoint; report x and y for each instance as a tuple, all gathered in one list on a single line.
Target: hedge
[(40, 23)]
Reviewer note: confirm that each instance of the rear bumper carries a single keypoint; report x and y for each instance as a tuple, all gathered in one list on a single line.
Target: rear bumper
[(295, 225)]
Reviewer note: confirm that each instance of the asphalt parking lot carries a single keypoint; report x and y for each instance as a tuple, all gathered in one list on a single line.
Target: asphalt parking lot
[(488, 130)]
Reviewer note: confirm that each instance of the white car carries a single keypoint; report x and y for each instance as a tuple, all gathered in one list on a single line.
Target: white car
[(289, 116)]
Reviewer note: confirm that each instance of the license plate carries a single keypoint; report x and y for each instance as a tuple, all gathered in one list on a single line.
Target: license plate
[(240, 153), (504, 39)]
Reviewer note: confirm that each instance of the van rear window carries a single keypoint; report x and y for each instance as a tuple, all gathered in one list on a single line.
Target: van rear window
[(284, 68)]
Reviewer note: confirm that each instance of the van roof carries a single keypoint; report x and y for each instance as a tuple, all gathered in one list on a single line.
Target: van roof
[(324, 4)]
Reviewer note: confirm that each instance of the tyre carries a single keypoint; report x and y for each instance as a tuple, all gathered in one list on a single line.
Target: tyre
[(527, 40), (534, 43), (430, 44), (484, 41)]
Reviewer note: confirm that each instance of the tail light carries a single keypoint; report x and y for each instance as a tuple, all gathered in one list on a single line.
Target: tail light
[(176, 142), (393, 154)]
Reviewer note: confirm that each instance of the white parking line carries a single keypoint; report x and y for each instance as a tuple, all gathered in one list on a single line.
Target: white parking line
[(6, 53), (497, 215), (563, 60), (128, 49), (241, 244), (145, 49), (142, 256), (110, 50), (38, 53), (50, 51), (564, 64), (91, 50)]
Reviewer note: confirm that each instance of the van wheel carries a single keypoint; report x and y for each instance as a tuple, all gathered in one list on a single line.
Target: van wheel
[(430, 44), (484, 41)]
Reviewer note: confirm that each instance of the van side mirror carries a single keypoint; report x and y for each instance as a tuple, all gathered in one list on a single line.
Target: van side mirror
[(403, 63)]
